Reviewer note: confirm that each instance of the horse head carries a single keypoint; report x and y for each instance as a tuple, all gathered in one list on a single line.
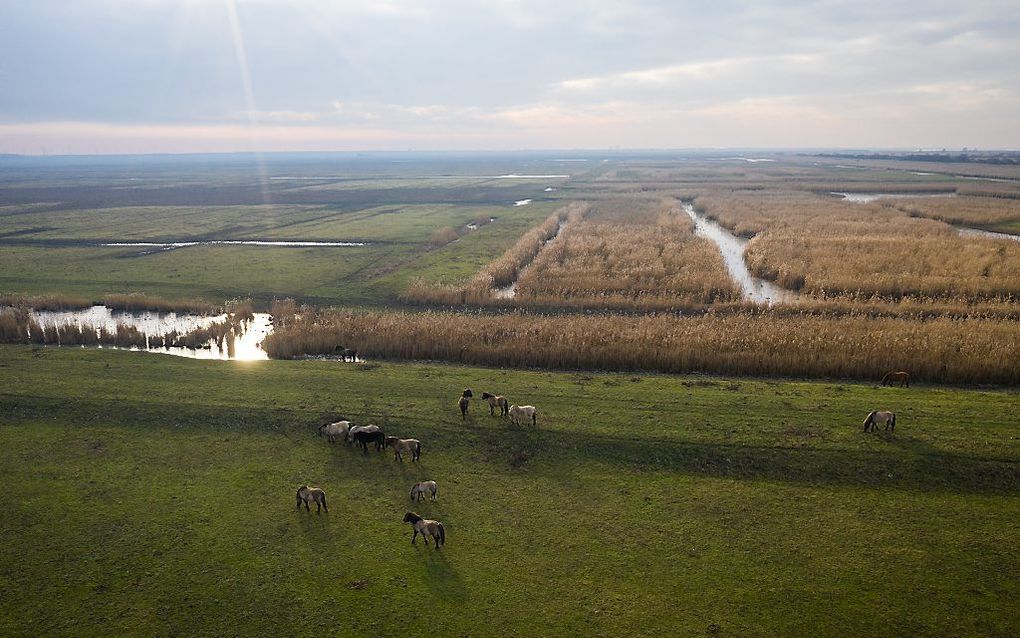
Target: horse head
[(486, 395), (411, 517)]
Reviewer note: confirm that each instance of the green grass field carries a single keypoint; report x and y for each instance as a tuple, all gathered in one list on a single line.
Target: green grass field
[(150, 495)]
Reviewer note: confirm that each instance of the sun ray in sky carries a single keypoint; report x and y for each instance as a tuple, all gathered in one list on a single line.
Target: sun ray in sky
[(244, 72)]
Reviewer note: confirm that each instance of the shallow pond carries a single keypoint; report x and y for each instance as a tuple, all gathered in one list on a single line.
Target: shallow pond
[(244, 347)]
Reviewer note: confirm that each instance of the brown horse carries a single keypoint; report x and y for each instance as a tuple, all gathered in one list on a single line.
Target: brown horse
[(426, 528), (306, 494), (496, 401), (463, 403), (404, 446), (892, 378)]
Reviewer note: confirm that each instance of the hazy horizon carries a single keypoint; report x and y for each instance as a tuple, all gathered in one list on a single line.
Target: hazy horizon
[(224, 76)]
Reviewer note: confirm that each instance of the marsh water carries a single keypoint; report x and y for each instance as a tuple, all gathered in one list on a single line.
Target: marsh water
[(967, 231), (754, 289), (245, 346), (864, 198)]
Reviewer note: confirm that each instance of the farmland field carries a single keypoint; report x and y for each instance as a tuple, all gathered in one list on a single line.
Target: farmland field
[(699, 465)]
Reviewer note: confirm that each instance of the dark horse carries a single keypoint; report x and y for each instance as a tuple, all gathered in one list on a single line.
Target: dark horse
[(364, 438), (346, 353)]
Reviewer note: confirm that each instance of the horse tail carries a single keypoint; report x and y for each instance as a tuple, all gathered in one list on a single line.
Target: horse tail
[(417, 450), (323, 496), (442, 534), (892, 425), (534, 418)]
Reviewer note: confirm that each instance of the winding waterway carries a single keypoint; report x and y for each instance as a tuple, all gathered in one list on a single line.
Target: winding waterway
[(754, 289)]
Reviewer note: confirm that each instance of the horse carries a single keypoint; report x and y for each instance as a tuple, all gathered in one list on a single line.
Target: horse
[(525, 412), (467, 393), (418, 490), (496, 401), (874, 418), (333, 431), (349, 438), (404, 446), (346, 353), (463, 403), (426, 528), (364, 438), (891, 378), (307, 494)]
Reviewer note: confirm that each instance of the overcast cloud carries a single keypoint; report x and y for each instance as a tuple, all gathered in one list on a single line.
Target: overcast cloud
[(83, 76)]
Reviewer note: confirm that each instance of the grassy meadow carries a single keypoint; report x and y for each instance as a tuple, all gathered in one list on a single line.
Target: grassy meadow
[(152, 495)]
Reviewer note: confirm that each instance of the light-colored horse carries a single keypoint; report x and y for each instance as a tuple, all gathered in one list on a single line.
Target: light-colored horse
[(520, 414), (892, 378), (404, 446), (307, 494), (874, 418), (418, 490), (463, 404), (426, 528), (496, 401), (334, 431)]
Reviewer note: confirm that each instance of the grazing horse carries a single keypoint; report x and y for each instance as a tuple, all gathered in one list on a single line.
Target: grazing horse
[(306, 494), (354, 429), (418, 490), (892, 378), (363, 438), (874, 418), (334, 431), (404, 446), (496, 401), (522, 413), (426, 528), (463, 403)]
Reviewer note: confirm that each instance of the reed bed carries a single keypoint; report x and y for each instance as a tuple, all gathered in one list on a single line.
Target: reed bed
[(963, 210), (480, 289), (628, 254), (45, 302), (138, 302), (972, 350), (827, 247)]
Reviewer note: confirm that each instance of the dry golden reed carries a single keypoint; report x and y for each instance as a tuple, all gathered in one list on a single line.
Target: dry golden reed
[(629, 254), (784, 344)]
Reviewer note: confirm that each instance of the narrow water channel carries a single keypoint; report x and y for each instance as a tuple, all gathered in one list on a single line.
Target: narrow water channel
[(754, 289), (510, 291)]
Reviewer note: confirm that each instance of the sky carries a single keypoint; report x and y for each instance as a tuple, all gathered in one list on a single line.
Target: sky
[(158, 76)]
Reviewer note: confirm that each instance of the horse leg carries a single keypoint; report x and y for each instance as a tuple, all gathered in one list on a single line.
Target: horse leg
[(307, 508), (414, 538)]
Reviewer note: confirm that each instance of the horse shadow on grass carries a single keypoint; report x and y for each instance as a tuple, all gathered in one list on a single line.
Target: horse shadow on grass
[(907, 463), (442, 578)]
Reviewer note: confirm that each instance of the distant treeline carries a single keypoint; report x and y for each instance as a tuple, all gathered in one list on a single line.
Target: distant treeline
[(1008, 159)]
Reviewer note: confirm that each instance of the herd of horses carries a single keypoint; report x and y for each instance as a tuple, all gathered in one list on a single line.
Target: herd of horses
[(370, 434), (363, 435), (518, 414)]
